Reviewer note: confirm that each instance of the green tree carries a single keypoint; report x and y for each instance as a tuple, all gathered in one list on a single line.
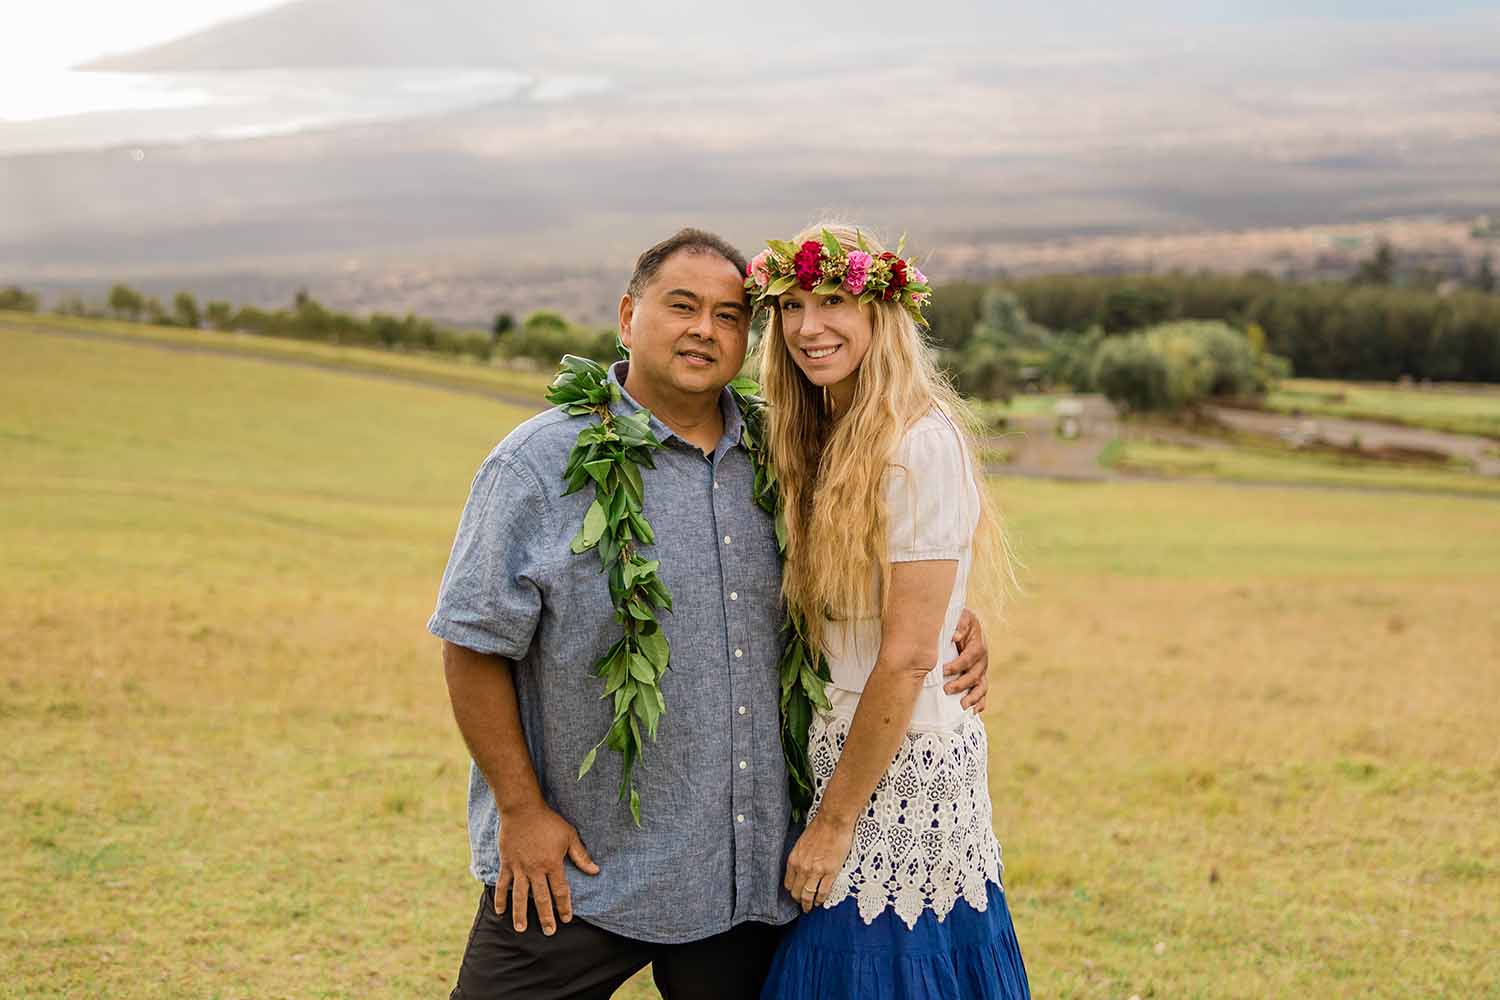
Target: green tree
[(1379, 269), (17, 298), (220, 315), (126, 303), (1485, 279), (504, 323), (185, 311), (1175, 366), (1136, 307), (1003, 340)]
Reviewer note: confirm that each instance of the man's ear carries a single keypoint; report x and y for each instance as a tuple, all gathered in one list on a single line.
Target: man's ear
[(627, 313)]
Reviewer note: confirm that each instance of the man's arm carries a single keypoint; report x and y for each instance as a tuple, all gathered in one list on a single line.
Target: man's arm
[(969, 672), (533, 838)]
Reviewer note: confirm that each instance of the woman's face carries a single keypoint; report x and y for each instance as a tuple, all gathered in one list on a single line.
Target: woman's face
[(828, 337)]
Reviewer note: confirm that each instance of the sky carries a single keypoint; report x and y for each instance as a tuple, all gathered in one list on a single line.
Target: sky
[(62, 33), (43, 105)]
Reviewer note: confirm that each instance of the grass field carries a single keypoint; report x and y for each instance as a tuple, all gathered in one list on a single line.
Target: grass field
[(442, 370), (1250, 460), (1455, 408), (1243, 741)]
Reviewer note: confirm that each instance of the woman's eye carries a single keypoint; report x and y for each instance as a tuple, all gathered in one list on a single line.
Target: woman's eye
[(834, 300), (790, 306)]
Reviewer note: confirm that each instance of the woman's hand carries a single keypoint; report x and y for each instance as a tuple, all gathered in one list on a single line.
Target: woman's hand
[(816, 859)]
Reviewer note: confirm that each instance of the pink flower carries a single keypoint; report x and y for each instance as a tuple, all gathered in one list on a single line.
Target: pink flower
[(758, 270), (858, 271), (809, 265), (917, 276)]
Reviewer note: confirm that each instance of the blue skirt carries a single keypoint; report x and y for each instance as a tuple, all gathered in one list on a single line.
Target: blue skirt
[(832, 954)]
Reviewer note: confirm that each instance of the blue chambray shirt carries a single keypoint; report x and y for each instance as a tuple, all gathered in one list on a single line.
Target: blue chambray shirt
[(714, 808)]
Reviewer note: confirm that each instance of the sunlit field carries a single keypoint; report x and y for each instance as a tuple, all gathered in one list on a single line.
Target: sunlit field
[(1243, 740)]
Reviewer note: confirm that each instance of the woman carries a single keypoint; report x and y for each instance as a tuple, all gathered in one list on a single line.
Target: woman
[(898, 870)]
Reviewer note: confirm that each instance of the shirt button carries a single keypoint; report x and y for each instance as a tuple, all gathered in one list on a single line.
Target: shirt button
[(716, 484), (744, 764), (738, 653), (742, 709), (740, 818), (734, 595), (726, 539)]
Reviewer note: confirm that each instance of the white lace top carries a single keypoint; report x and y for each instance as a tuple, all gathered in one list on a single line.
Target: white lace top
[(926, 841)]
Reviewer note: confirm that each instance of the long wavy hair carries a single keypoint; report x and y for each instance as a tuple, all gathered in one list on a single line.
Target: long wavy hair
[(830, 469)]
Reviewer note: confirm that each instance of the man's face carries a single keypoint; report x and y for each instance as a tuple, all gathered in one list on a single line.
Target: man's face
[(687, 331)]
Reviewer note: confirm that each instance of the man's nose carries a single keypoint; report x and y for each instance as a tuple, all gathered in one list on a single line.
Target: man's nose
[(701, 326)]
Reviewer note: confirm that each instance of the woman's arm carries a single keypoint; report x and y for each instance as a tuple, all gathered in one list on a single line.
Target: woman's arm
[(908, 647)]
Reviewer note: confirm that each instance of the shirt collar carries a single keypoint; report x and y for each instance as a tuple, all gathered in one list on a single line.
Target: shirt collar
[(733, 423)]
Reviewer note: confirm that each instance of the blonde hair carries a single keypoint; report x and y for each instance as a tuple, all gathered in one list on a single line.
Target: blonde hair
[(831, 470)]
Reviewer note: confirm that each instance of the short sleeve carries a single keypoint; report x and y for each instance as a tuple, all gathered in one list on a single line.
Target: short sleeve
[(931, 500), (489, 600)]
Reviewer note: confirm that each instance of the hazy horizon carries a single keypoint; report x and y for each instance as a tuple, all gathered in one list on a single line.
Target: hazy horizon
[(324, 135)]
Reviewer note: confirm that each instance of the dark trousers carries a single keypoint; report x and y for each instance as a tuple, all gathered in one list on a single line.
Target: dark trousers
[(583, 962)]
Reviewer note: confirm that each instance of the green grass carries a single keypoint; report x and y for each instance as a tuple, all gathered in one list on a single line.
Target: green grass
[(1461, 410), (1020, 405), (1242, 741), (436, 369), (1250, 461)]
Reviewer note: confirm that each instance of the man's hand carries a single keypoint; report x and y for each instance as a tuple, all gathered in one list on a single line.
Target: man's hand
[(970, 671), (533, 843)]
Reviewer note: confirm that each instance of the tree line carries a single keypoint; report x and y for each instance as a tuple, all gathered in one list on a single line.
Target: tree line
[(1369, 328), (1151, 341), (543, 337)]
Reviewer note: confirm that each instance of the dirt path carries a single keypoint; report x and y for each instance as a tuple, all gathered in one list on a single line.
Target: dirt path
[(1036, 449)]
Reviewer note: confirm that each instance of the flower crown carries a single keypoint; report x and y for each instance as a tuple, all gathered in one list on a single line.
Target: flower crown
[(823, 266)]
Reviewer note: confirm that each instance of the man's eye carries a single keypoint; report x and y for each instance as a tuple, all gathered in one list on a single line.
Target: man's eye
[(729, 317), (680, 306)]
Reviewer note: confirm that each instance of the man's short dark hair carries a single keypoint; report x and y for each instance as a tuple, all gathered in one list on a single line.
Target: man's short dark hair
[(691, 240)]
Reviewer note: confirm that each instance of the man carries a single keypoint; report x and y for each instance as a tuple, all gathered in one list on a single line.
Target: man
[(576, 897)]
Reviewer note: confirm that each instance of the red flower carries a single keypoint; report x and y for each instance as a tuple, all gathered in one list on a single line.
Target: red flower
[(809, 265), (898, 276)]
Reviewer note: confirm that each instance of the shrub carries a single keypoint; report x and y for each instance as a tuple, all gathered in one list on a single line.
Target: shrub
[(17, 298), (1178, 365)]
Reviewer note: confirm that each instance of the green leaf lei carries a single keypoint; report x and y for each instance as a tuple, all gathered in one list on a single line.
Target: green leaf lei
[(609, 454)]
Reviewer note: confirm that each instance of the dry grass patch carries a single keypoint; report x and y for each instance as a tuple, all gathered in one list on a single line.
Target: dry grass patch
[(1242, 739)]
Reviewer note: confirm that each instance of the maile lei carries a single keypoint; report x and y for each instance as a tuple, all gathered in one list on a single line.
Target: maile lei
[(609, 454)]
